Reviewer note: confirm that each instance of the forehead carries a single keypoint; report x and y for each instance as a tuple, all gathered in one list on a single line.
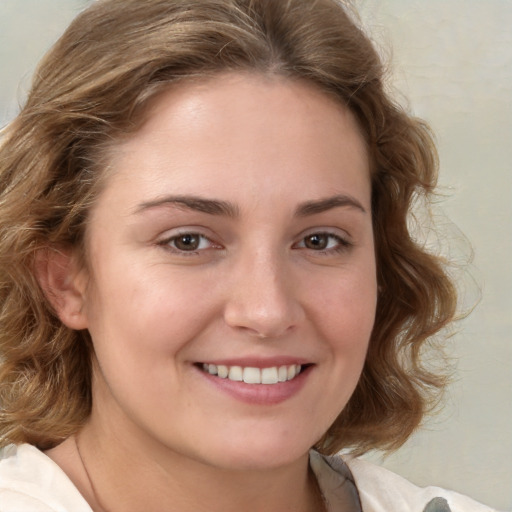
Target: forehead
[(236, 96), (238, 129)]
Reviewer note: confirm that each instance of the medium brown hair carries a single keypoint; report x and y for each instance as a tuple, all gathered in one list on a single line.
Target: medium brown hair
[(88, 92)]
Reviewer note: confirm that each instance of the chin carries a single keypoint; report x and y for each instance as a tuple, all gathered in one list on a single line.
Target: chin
[(253, 454)]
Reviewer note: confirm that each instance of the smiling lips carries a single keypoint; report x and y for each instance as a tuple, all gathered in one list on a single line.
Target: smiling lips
[(257, 381), (252, 375)]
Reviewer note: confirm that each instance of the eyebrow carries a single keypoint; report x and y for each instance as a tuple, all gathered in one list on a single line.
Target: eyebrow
[(225, 208), (328, 203), (199, 204)]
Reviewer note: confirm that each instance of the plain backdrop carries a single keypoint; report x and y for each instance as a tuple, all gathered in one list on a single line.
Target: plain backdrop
[(451, 64)]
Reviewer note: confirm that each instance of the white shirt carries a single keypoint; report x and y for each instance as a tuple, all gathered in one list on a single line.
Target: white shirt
[(381, 490), (31, 482)]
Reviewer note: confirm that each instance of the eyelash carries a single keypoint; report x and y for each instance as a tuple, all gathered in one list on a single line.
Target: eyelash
[(168, 241), (341, 243)]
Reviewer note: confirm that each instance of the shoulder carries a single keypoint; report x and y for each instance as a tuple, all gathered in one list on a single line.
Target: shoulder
[(32, 482), (380, 490)]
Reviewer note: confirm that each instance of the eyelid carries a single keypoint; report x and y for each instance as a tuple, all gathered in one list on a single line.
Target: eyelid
[(326, 230), (170, 235), (343, 238), (165, 240)]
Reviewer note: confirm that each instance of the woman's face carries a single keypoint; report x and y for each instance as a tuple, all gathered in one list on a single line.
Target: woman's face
[(233, 241)]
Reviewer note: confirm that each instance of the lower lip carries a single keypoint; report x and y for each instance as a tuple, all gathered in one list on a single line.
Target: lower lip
[(260, 394)]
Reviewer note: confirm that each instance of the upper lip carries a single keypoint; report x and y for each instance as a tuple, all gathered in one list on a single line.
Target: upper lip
[(258, 362)]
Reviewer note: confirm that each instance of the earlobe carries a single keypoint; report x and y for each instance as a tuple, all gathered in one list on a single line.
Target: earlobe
[(63, 284)]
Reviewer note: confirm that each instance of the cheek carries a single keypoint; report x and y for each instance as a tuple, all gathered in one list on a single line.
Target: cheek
[(146, 312), (345, 316), (345, 305), (344, 319)]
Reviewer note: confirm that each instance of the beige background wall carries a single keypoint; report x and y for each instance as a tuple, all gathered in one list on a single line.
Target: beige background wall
[(453, 60)]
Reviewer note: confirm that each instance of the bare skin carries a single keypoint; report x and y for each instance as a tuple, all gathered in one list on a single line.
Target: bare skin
[(181, 490), (234, 231)]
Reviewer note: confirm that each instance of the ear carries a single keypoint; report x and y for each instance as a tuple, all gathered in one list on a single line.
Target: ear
[(64, 285)]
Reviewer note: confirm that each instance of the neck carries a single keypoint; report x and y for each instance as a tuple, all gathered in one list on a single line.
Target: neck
[(178, 482)]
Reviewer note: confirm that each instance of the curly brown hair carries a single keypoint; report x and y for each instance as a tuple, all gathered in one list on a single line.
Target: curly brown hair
[(89, 91)]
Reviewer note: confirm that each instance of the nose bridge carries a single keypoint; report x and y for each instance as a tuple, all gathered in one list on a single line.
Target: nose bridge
[(262, 297)]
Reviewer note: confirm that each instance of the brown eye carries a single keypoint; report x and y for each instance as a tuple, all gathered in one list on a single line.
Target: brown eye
[(317, 241), (324, 243), (187, 242)]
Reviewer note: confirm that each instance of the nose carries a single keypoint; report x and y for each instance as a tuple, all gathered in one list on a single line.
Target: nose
[(262, 299)]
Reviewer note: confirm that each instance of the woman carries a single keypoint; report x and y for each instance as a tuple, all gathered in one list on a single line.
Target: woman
[(206, 269)]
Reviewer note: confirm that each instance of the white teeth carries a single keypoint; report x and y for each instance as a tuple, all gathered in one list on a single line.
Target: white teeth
[(222, 371), (235, 373), (251, 375), (269, 375)]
